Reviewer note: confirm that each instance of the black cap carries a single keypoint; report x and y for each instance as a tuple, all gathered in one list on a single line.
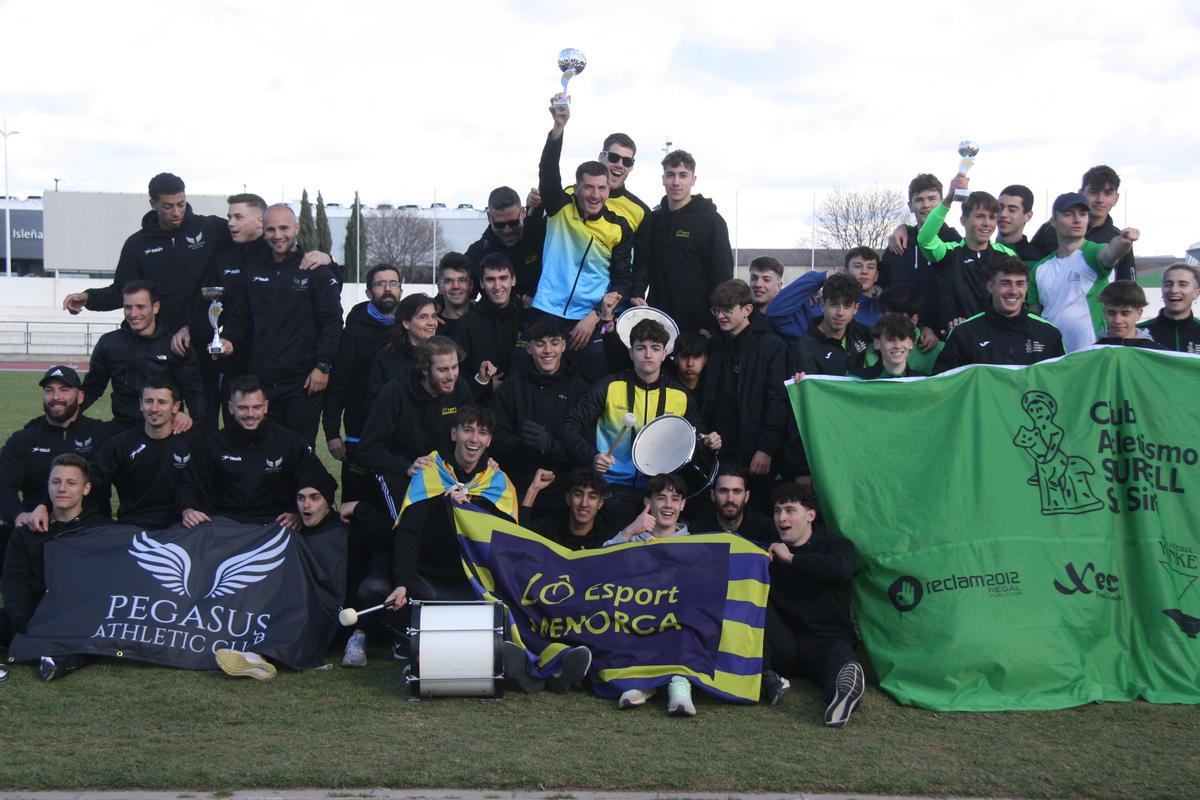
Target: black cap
[(63, 373), (1069, 200)]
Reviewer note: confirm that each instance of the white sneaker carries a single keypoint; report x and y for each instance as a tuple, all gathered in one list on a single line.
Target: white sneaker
[(634, 698), (356, 652), (679, 697), (851, 682)]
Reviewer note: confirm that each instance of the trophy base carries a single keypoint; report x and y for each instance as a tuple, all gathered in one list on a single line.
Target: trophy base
[(216, 350), (961, 195), (561, 109)]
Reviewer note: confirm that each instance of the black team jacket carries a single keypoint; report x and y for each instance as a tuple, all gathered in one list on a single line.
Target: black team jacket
[(346, 395), (911, 268), (992, 338), (689, 256), (26, 456), (146, 473), (489, 333), (556, 526), (817, 354), (544, 399), (24, 580), (744, 397), (1182, 335), (177, 261), (128, 361), (405, 422), (525, 256), (248, 476), (292, 318), (812, 593)]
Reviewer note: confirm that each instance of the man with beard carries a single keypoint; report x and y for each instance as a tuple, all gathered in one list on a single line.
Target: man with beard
[(455, 289), (249, 470), (23, 580), (531, 405), (26, 457), (516, 236), (291, 321), (245, 225), (145, 465), (730, 511), (173, 249), (412, 416), (689, 247), (367, 327), (488, 333), (139, 352), (583, 523)]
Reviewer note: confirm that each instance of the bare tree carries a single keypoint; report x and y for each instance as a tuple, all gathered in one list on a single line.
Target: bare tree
[(403, 238), (848, 218)]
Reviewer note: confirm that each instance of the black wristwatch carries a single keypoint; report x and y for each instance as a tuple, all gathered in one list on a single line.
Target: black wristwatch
[(325, 367)]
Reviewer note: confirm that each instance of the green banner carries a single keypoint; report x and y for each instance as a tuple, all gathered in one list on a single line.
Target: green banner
[(1029, 538)]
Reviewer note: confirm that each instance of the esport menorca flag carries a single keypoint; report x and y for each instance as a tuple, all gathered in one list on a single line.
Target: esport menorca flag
[(692, 606), (174, 597), (1029, 537)]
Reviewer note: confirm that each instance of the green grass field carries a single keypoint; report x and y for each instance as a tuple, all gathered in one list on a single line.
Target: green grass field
[(126, 726)]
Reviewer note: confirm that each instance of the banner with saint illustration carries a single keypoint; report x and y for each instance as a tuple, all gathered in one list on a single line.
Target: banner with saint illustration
[(1029, 538)]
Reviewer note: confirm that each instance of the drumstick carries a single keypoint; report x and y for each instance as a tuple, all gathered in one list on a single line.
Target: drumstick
[(628, 422), (348, 616)]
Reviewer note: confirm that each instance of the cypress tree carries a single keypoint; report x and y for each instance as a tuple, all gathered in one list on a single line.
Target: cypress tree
[(355, 248), (308, 230), (324, 236)]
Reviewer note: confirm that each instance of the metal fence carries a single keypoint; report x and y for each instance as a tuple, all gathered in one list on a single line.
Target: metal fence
[(51, 338)]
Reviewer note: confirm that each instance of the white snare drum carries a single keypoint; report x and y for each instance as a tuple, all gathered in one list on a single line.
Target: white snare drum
[(456, 649), (668, 444), (632, 316)]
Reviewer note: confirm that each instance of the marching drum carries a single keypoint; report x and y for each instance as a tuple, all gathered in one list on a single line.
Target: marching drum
[(456, 649), (668, 444), (632, 316)]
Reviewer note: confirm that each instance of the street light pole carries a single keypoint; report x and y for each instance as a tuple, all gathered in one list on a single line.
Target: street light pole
[(5, 132)]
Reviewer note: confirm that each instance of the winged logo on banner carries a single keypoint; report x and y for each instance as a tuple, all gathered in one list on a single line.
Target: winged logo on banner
[(171, 565)]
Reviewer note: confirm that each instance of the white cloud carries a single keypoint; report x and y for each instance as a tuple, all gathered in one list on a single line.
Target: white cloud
[(776, 101)]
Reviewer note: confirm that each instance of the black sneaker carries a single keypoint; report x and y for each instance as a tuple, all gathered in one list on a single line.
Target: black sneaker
[(516, 669), (573, 665), (51, 668), (850, 686), (773, 687)]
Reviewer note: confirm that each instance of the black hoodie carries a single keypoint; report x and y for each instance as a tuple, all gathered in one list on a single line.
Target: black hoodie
[(525, 256), (689, 257), (812, 593), (489, 333), (24, 576), (346, 395), (545, 400), (405, 422), (177, 261), (26, 456), (744, 396), (129, 360)]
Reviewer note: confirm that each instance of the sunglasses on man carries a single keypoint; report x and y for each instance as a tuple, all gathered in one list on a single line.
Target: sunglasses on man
[(510, 225), (614, 158)]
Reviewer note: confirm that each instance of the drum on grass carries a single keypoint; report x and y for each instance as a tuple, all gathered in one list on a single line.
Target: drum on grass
[(668, 444), (632, 316), (456, 649)]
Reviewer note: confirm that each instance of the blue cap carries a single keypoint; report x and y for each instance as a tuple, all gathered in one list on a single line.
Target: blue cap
[(1069, 200)]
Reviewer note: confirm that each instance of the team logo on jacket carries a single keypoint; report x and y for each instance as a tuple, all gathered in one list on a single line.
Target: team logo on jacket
[(299, 283), (228, 457), (40, 450), (195, 242), (276, 465), (231, 272), (161, 357), (171, 565), (151, 250), (137, 451), (83, 446), (260, 279), (181, 459), (1032, 346)]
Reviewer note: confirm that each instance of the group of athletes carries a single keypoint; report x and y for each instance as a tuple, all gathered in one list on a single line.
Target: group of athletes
[(517, 387)]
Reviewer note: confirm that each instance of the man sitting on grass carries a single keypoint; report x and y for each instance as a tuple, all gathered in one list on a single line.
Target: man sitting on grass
[(665, 499), (1123, 302), (809, 631)]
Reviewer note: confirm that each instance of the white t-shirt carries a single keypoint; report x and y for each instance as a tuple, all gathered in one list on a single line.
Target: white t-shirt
[(1068, 290)]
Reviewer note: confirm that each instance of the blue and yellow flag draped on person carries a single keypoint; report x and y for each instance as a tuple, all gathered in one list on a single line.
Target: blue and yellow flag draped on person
[(438, 478), (692, 606)]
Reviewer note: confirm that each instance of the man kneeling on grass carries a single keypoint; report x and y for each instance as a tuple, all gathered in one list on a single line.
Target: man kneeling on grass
[(809, 631), (665, 499)]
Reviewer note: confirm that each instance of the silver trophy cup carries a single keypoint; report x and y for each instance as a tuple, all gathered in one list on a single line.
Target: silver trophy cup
[(571, 62), (968, 150), (213, 295)]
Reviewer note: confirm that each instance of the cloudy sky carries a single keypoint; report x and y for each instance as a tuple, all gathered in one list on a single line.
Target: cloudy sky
[(778, 102)]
